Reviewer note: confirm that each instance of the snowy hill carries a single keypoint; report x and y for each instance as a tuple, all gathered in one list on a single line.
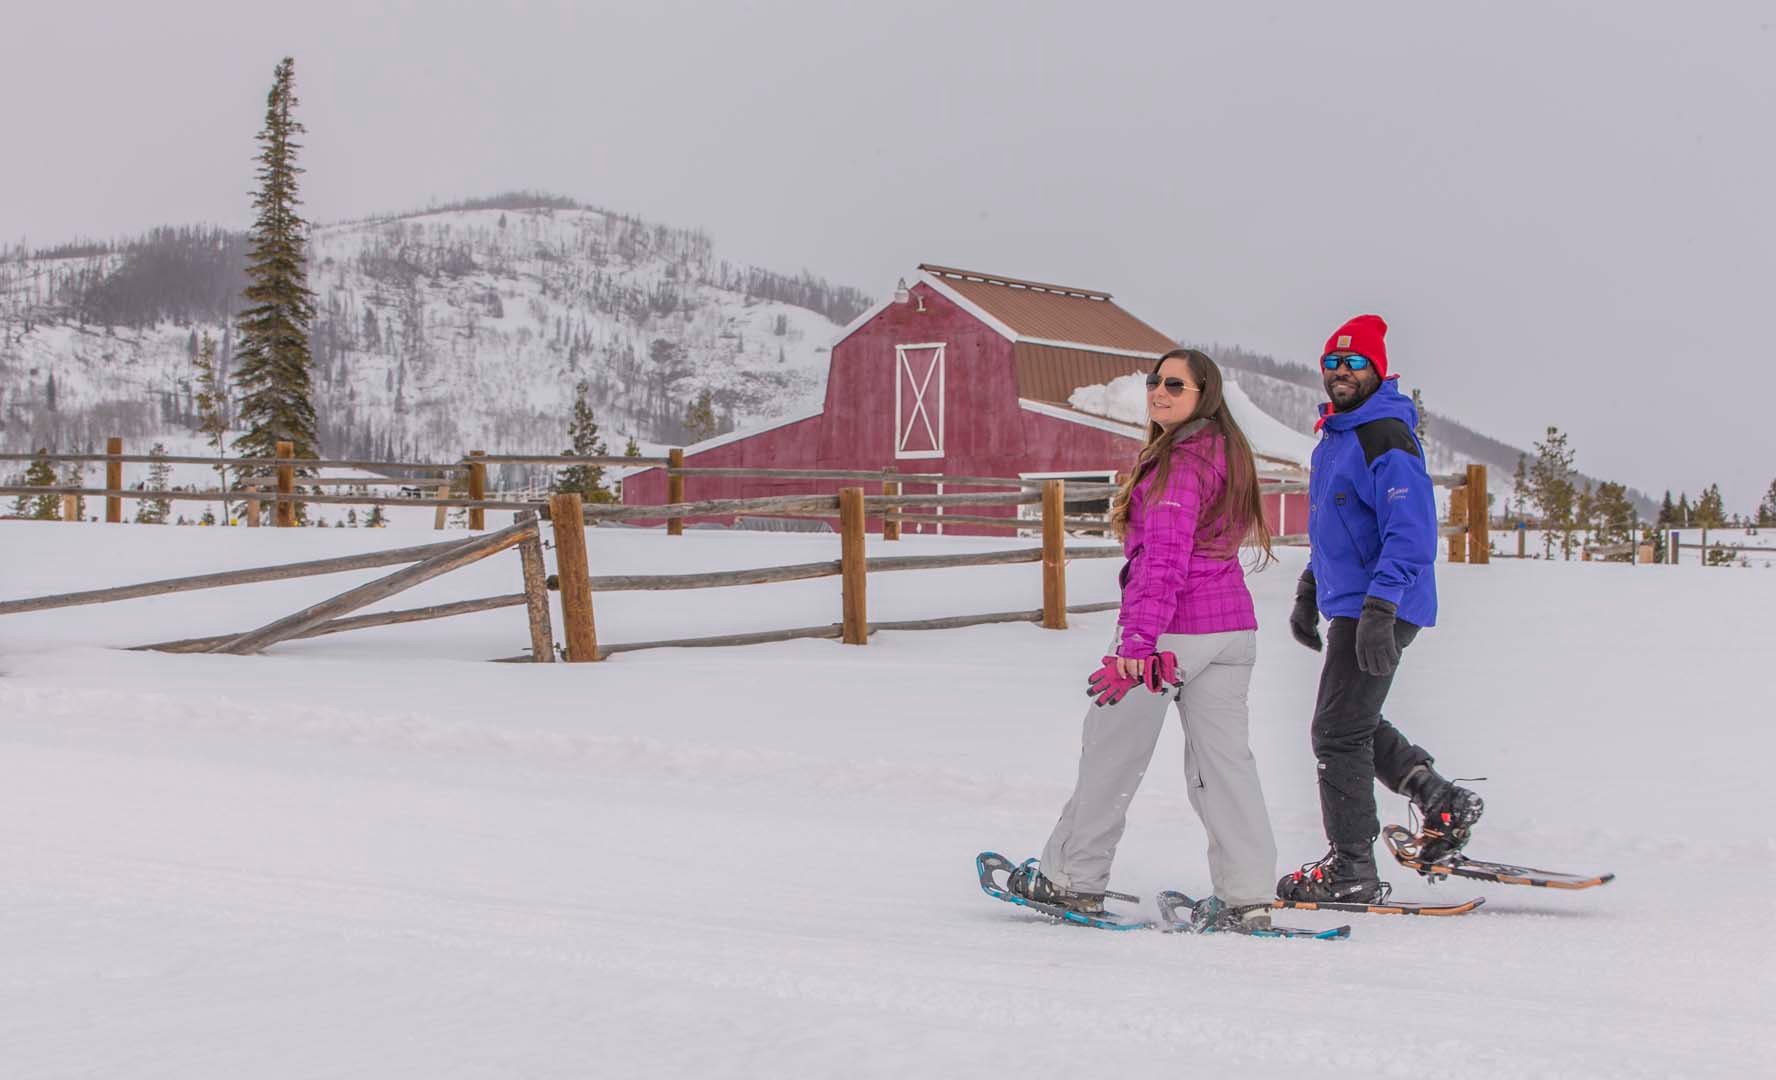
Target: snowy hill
[(372, 855), (1293, 395), (436, 332)]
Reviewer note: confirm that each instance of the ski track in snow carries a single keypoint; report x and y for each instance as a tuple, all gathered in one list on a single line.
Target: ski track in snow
[(351, 857)]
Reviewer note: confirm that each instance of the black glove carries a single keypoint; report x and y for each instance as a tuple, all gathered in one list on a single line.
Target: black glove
[(1377, 651), (1304, 621)]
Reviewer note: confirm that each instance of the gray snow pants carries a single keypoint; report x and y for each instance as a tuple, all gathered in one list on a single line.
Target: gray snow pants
[(1218, 764)]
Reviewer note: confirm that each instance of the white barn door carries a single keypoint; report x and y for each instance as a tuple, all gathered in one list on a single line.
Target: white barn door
[(919, 401)]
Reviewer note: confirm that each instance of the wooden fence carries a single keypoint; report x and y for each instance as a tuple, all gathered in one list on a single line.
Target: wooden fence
[(568, 517)]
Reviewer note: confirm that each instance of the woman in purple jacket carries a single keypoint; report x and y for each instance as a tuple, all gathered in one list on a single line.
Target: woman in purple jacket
[(1187, 632)]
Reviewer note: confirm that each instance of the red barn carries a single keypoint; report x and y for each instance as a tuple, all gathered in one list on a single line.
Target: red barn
[(964, 374)]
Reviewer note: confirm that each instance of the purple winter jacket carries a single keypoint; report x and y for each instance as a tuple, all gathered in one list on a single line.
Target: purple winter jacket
[(1169, 586)]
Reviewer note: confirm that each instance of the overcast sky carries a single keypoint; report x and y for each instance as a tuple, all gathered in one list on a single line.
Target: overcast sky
[(1564, 209)]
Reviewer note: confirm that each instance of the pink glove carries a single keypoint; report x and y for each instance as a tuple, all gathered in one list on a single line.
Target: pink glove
[(1158, 673)]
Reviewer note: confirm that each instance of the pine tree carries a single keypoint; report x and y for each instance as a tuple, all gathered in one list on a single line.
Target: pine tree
[(49, 393), (1616, 520), (45, 507), (582, 433), (1551, 486), (160, 474), (1711, 509), (1682, 515), (273, 369), (1519, 486), (212, 413), (1667, 511), (75, 476), (377, 518), (699, 421), (1766, 514), (1585, 513)]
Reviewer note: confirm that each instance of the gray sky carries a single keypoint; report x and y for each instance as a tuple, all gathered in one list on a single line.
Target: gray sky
[(1564, 209)]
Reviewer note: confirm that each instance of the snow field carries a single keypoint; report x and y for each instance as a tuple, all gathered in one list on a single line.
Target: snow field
[(372, 855)]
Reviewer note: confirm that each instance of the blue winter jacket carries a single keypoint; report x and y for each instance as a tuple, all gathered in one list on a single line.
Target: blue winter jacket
[(1372, 517)]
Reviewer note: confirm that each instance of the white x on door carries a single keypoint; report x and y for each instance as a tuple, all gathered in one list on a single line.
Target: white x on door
[(918, 401)]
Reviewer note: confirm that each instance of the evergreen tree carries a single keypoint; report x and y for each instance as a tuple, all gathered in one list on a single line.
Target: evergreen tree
[(1766, 514), (273, 363), (212, 413), (1551, 486), (699, 421), (49, 393), (160, 474), (633, 449), (377, 518), (1667, 511), (1711, 509), (1519, 486), (1585, 514), (1616, 519), (1682, 516), (45, 507), (75, 476), (582, 433)]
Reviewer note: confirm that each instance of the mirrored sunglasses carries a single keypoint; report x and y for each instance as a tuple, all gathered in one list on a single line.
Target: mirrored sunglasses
[(1174, 386)]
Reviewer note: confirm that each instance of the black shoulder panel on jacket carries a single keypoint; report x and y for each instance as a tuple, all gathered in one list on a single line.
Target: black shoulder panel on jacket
[(1380, 436)]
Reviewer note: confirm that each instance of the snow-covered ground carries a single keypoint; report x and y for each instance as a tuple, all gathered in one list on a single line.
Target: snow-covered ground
[(374, 855)]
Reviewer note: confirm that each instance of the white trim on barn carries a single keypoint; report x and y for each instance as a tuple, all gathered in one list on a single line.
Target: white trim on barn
[(1032, 512), (1073, 416), (904, 421), (747, 433), (963, 302), (858, 323), (1083, 347)]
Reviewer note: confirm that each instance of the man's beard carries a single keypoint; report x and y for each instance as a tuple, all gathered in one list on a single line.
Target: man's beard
[(1348, 394)]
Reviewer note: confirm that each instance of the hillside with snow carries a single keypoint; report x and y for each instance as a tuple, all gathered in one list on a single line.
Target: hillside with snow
[(374, 854), (435, 333)]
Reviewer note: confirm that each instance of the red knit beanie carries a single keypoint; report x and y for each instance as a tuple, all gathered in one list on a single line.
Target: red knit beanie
[(1365, 334)]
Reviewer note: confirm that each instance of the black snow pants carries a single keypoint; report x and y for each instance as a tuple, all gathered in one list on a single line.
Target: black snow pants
[(1355, 746)]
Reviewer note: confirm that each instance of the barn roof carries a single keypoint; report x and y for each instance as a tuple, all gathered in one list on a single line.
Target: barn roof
[(1052, 372), (1052, 314)]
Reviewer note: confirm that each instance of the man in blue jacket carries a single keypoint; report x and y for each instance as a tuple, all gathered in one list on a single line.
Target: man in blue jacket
[(1372, 524)]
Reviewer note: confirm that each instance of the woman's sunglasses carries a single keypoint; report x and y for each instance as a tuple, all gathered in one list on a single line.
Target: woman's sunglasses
[(1352, 361), (1174, 386)]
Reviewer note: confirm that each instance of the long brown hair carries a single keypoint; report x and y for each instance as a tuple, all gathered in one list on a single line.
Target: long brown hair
[(1239, 507)]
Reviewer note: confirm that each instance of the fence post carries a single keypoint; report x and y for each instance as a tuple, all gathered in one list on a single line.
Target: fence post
[(114, 480), (567, 512), (1671, 549), (477, 489), (1458, 512), (1479, 517), (284, 513), (852, 566), (675, 489), (536, 591), (252, 506), (442, 492), (1054, 556), (1522, 541), (890, 514), (70, 508)]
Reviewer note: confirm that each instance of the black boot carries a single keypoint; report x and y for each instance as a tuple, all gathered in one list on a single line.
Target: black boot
[(1346, 875), (1449, 812), (1028, 882)]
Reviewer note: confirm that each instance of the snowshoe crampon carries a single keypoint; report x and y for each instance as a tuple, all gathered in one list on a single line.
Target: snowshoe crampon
[(1176, 908), (995, 872), (1407, 846)]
